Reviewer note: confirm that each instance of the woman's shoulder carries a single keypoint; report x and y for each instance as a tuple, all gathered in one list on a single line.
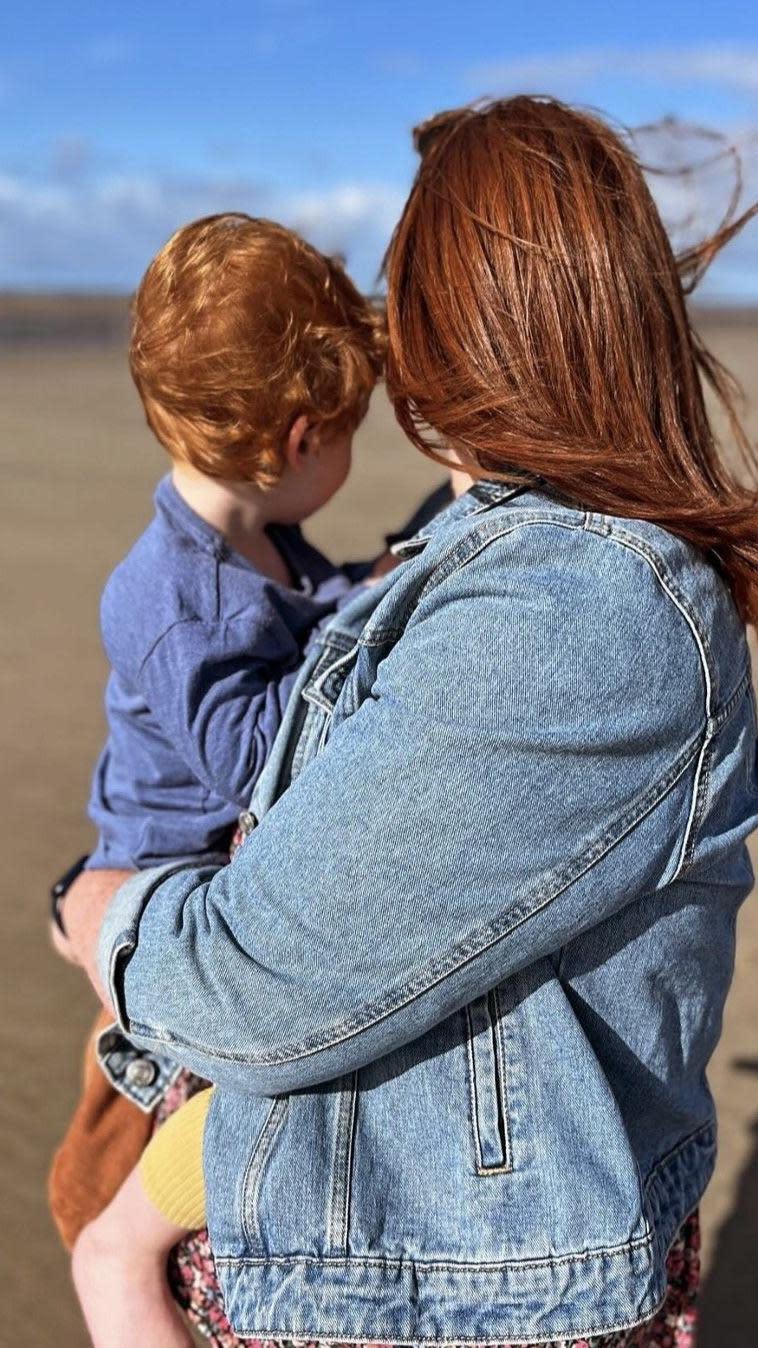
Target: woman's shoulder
[(624, 592)]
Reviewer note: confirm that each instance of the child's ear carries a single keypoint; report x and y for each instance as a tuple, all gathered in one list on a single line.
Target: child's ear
[(302, 441)]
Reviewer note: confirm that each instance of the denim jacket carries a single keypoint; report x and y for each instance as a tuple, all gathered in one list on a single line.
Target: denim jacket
[(460, 986)]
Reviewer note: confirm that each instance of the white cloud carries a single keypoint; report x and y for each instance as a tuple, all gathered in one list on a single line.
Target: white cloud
[(87, 228), (337, 218), (725, 64), (93, 231)]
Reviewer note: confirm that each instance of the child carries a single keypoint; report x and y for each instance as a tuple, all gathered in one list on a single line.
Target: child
[(254, 357)]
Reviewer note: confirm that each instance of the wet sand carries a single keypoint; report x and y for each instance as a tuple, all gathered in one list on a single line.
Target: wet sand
[(78, 468)]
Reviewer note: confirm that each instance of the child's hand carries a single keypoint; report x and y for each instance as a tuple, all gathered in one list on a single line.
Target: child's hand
[(387, 562)]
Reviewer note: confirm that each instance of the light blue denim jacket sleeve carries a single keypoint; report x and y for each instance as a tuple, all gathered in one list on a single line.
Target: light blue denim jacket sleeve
[(458, 825)]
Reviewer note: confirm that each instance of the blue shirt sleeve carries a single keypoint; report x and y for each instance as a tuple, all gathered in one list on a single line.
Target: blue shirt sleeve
[(217, 700)]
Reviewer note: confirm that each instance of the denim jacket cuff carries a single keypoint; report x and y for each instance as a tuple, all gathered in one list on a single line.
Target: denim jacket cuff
[(141, 1076), (119, 931)]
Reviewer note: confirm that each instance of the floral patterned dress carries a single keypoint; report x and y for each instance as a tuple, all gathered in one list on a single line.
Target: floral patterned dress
[(196, 1288)]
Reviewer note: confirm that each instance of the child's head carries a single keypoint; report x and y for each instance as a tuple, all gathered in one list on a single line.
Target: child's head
[(248, 348)]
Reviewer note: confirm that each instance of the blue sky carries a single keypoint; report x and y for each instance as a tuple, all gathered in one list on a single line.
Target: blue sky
[(120, 121)]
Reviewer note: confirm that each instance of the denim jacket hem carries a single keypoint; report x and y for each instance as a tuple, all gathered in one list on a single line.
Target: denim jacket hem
[(386, 1300)]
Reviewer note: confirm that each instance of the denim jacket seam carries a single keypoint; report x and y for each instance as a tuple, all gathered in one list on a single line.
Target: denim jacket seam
[(708, 1126), (256, 1165), (338, 1219), (624, 538), (701, 787), (311, 1336), (445, 1265), (730, 704), (475, 945), (717, 725)]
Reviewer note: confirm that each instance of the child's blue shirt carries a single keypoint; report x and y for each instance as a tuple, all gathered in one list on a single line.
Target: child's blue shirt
[(203, 650)]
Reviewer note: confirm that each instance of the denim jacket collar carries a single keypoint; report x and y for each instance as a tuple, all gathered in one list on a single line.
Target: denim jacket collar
[(481, 496)]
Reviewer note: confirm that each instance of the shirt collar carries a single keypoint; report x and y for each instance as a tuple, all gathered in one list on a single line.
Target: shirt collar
[(185, 520)]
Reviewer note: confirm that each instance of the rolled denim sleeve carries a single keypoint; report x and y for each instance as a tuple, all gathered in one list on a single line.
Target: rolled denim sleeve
[(522, 768), (119, 931)]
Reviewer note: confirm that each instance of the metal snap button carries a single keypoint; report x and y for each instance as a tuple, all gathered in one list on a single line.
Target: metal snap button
[(141, 1072)]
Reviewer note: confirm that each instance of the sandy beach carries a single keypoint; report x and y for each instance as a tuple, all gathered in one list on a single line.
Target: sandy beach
[(78, 470)]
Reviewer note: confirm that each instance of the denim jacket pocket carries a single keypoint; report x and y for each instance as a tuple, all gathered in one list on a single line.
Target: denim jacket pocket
[(487, 1085)]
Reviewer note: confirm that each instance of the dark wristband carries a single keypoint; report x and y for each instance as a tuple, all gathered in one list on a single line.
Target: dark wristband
[(61, 887)]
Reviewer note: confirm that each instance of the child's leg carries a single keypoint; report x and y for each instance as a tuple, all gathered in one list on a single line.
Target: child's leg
[(103, 1143), (119, 1260)]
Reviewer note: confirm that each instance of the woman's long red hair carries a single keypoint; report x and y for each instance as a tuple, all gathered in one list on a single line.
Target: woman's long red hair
[(537, 322)]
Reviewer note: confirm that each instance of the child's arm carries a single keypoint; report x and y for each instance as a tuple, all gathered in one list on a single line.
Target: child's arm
[(218, 703)]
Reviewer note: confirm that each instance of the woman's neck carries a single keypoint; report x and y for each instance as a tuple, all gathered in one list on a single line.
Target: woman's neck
[(239, 511), (460, 481)]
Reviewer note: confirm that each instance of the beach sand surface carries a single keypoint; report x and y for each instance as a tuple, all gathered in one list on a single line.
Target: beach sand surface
[(78, 469)]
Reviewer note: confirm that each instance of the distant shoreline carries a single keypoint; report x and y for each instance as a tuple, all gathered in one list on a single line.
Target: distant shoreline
[(82, 320)]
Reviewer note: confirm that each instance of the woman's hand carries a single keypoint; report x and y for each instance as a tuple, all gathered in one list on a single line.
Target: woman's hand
[(83, 910)]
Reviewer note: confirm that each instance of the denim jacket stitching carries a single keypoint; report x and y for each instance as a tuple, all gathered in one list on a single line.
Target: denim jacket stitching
[(313, 1336), (704, 1129), (464, 550), (443, 1265), (256, 1166), (314, 689), (462, 954), (667, 583), (730, 704), (697, 811), (498, 1087), (342, 1163), (616, 533), (476, 540), (700, 797), (476, 537)]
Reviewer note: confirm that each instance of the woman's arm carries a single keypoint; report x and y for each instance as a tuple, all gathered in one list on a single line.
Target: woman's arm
[(522, 769)]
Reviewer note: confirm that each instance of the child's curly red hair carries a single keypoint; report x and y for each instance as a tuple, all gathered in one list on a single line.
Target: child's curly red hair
[(239, 327)]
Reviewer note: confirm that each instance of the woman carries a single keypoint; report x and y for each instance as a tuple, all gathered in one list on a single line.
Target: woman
[(460, 987)]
